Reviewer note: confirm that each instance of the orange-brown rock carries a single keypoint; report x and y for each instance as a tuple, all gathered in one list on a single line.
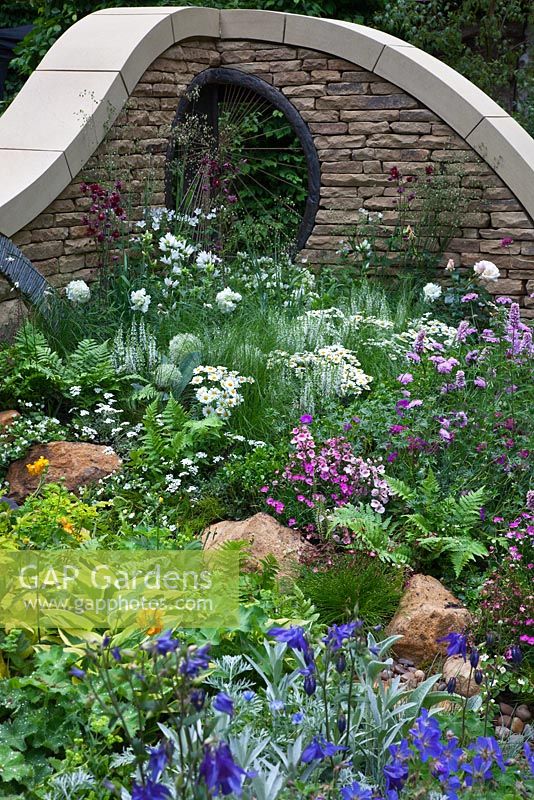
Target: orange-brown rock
[(455, 667), (7, 417), (264, 536), (426, 612), (75, 464)]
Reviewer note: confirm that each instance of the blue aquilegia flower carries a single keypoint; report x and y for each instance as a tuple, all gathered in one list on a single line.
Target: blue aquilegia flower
[(197, 698), (294, 637), (356, 792), (150, 791), (159, 758), (220, 772), (426, 735), (196, 660), (77, 672), (224, 703), (318, 749), (338, 635), (165, 644), (456, 644)]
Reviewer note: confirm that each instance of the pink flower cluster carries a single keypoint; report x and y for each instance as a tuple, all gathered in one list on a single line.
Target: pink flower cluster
[(326, 476), (507, 596)]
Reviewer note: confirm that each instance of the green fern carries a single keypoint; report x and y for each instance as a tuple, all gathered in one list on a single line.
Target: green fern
[(371, 531), (441, 525), (170, 435)]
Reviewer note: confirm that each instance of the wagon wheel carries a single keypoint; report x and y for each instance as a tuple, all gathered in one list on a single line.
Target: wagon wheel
[(237, 137)]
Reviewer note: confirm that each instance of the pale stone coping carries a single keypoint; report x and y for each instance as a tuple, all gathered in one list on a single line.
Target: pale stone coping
[(103, 56)]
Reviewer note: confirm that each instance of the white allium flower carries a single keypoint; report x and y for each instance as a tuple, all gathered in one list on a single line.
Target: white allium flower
[(140, 301), (227, 300), (486, 271), (431, 292), (181, 345), (78, 292)]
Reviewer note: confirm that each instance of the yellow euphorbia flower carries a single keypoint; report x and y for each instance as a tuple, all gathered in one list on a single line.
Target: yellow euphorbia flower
[(38, 467)]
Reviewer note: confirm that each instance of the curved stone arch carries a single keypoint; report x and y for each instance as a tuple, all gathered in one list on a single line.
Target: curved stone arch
[(64, 110)]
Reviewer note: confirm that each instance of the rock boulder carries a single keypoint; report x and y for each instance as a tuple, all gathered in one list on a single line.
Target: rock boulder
[(264, 536), (426, 612), (75, 464)]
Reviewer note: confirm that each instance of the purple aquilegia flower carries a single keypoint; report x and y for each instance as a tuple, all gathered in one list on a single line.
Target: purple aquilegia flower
[(294, 637), (195, 661), (506, 241), (356, 792), (338, 635), (150, 791), (306, 419), (405, 377), (159, 758), (165, 644), (426, 735), (220, 772), (224, 703), (529, 755), (318, 749), (456, 644), (77, 672)]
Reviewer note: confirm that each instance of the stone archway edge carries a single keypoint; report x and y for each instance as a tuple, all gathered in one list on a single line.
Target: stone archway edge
[(65, 108)]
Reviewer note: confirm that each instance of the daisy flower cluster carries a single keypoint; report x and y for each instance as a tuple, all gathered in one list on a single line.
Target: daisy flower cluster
[(217, 389)]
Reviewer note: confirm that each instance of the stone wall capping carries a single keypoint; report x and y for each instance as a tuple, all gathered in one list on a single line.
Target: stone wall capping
[(247, 23), (455, 99), (27, 174), (509, 150)]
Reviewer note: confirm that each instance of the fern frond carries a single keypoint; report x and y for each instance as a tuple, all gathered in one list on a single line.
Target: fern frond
[(401, 489)]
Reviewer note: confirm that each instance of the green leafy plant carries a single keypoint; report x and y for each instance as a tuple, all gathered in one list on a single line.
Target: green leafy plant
[(370, 531), (441, 526), (32, 370), (171, 435)]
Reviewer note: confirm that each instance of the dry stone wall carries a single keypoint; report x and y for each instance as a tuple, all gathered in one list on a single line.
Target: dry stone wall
[(362, 126)]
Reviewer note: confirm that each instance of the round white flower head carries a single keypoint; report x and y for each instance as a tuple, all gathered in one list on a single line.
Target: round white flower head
[(227, 300), (140, 301), (78, 292), (431, 292), (181, 345), (486, 271)]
